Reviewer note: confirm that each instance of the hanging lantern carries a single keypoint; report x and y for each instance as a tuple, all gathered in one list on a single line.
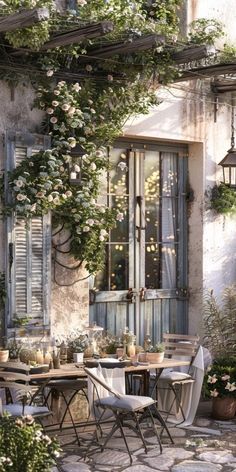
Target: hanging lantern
[(75, 166), (229, 162)]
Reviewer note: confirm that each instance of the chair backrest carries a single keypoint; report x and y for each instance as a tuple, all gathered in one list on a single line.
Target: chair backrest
[(97, 378), (181, 345)]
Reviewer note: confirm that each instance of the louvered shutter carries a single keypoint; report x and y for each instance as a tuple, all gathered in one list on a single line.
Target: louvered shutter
[(28, 246)]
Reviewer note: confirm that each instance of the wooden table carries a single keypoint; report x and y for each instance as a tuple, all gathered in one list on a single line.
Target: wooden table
[(71, 371)]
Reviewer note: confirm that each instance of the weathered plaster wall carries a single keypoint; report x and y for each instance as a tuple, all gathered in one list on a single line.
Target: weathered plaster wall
[(69, 305)]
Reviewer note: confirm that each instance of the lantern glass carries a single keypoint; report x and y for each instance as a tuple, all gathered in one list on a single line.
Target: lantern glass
[(75, 171)]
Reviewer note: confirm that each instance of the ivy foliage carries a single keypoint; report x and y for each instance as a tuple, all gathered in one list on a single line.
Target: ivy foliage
[(223, 199)]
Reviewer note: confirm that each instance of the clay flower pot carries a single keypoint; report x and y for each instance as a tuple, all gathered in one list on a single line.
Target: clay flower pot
[(154, 357), (4, 355), (223, 408)]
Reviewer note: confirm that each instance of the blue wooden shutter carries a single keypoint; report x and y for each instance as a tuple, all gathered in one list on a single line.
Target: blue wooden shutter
[(28, 252)]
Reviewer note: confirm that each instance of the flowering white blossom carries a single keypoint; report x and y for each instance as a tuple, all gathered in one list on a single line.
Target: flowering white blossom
[(49, 111), (93, 166), (40, 194), (72, 142), (56, 92), (61, 83), (50, 198), (90, 222), (55, 103), (53, 120), (56, 200), (214, 393), (68, 193), (101, 238), (76, 87), (65, 107), (119, 216), (82, 2), (225, 377), (110, 77), (212, 379), (20, 197), (71, 111), (50, 73), (230, 386), (19, 183), (122, 166), (86, 229), (103, 232)]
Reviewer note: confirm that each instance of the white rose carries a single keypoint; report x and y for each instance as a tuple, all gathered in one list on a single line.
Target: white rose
[(71, 111), (56, 92), (53, 120), (101, 238), (50, 73), (72, 142), (68, 193), (76, 86), (103, 232), (50, 198), (20, 197), (55, 103), (65, 107), (49, 111), (93, 166), (86, 229)]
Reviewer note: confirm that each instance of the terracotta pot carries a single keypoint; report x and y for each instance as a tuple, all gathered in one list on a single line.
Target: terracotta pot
[(223, 408), (154, 357), (4, 355)]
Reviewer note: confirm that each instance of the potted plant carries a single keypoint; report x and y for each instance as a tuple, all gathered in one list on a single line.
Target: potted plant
[(155, 354), (220, 385), (24, 446), (77, 346)]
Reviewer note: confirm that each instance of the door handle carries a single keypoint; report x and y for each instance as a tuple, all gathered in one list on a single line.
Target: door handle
[(130, 295), (142, 294)]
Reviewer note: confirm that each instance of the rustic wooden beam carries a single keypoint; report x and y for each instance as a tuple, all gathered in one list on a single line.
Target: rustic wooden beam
[(222, 86), (79, 34), (192, 53), (127, 47), (207, 71), (23, 19)]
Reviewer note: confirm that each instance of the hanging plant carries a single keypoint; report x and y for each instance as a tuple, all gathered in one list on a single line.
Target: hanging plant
[(223, 199)]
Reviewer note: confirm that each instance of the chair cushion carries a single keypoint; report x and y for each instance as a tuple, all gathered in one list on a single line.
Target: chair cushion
[(126, 402), (174, 376), (16, 409)]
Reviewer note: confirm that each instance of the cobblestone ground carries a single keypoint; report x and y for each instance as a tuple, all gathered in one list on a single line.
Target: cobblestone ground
[(206, 446)]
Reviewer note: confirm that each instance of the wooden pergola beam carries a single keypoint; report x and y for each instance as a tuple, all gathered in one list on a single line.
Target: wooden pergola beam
[(222, 86), (128, 46), (207, 71), (23, 19), (79, 34), (192, 54)]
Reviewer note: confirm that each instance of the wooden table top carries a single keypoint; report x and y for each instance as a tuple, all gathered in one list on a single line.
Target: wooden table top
[(70, 370)]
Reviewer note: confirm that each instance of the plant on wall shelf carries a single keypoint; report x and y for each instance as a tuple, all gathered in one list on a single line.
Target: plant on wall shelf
[(223, 199)]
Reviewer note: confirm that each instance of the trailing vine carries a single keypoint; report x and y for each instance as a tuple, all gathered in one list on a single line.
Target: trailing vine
[(223, 199)]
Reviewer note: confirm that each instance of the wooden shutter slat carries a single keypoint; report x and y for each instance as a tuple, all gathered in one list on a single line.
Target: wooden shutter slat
[(29, 283)]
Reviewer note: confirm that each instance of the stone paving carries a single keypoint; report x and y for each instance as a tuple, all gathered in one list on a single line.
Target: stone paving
[(206, 446)]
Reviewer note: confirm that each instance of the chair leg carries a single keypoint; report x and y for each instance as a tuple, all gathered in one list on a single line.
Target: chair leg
[(163, 424), (155, 428), (140, 432), (71, 417)]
